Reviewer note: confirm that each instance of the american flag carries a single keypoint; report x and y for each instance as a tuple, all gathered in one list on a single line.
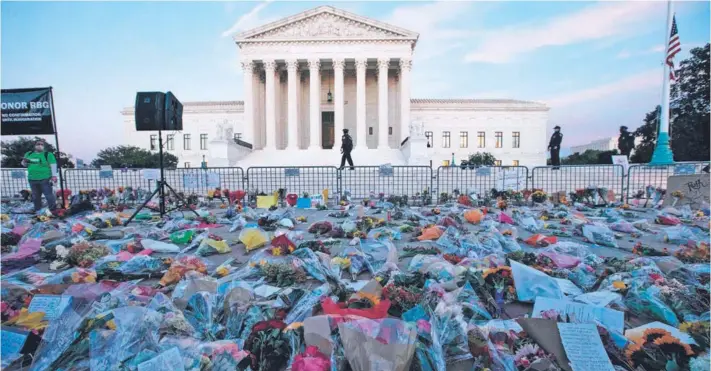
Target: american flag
[(673, 48)]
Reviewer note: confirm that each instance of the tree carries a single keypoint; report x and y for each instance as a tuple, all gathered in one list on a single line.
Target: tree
[(589, 157), (481, 159), (14, 151), (689, 105), (132, 157)]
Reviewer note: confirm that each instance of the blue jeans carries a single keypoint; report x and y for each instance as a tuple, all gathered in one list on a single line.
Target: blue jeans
[(40, 187)]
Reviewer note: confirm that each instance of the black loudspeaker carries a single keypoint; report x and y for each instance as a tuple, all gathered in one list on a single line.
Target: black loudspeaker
[(150, 111), (173, 113)]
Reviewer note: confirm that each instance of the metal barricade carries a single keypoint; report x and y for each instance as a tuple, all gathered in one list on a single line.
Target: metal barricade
[(199, 180), (639, 176), (298, 179), (413, 181), (480, 180), (568, 178), (89, 179), (13, 181)]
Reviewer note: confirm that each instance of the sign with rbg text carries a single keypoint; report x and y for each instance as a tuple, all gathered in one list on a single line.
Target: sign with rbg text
[(26, 111)]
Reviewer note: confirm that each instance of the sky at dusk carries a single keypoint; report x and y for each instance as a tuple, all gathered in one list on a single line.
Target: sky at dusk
[(598, 65)]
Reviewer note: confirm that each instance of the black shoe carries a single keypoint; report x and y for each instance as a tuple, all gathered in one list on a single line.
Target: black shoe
[(341, 168), (351, 168)]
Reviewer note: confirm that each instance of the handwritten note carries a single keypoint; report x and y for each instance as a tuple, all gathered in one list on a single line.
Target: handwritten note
[(51, 305), (583, 347), (11, 343), (168, 360), (582, 313), (695, 190)]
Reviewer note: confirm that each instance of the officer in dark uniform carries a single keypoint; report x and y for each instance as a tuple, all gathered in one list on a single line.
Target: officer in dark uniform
[(554, 147), (346, 148), (625, 143)]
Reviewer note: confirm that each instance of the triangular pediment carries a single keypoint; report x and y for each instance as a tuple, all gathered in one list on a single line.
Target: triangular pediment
[(325, 23)]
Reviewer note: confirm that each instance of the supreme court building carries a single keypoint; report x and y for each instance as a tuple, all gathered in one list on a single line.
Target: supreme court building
[(309, 76)]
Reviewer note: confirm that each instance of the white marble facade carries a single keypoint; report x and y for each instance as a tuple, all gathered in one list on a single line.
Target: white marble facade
[(308, 76)]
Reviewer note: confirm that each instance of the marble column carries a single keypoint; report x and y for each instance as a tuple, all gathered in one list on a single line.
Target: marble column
[(270, 114), (338, 65), (315, 104), (361, 134), (292, 120), (405, 67), (383, 64), (248, 131)]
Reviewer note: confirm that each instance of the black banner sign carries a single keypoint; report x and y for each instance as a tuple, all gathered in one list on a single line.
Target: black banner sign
[(26, 112)]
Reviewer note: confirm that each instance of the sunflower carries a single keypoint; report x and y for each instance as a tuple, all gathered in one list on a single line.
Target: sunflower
[(635, 352), (652, 334), (671, 345), (372, 298)]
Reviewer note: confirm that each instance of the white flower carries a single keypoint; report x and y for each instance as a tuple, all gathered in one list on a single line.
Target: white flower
[(701, 363)]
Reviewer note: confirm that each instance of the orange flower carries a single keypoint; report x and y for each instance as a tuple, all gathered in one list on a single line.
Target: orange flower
[(619, 285), (372, 298)]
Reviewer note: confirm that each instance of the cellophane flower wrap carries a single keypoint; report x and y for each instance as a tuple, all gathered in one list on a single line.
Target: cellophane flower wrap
[(370, 345)]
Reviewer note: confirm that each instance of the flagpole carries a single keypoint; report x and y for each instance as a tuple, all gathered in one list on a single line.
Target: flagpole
[(662, 151)]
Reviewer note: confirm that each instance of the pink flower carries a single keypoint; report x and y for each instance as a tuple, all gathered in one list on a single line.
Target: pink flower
[(423, 326)]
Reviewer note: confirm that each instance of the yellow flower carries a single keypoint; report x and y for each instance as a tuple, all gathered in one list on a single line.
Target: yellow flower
[(374, 299), (263, 262), (276, 251), (111, 325), (33, 321), (342, 262), (4, 217), (293, 326), (223, 271), (619, 285)]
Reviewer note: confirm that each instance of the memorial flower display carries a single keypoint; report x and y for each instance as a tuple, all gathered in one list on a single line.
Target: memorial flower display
[(389, 280)]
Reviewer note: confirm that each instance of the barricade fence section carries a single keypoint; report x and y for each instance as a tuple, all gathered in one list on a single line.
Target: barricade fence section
[(416, 182), (569, 178), (310, 179), (13, 181), (199, 181), (480, 180), (640, 176), (362, 182)]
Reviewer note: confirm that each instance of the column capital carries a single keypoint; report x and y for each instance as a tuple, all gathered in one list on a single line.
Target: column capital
[(383, 63), (269, 65), (338, 63), (405, 64), (361, 63), (247, 65), (292, 65), (314, 64)]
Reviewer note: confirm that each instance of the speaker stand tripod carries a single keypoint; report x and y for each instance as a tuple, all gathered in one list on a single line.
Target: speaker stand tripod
[(161, 184)]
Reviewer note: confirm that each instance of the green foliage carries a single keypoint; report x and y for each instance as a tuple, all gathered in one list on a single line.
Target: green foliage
[(14, 151), (481, 159), (689, 113), (132, 157), (589, 157)]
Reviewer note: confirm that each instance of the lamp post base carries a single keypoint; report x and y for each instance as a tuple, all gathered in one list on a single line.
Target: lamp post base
[(662, 151)]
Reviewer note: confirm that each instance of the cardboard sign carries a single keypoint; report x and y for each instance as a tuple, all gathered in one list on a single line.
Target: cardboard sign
[(151, 174), (695, 190), (106, 172), (201, 179), (684, 169), (385, 170), (581, 313), (292, 171), (483, 171), (621, 160), (265, 202), (18, 174)]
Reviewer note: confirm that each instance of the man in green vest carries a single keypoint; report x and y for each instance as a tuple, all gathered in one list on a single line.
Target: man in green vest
[(42, 173)]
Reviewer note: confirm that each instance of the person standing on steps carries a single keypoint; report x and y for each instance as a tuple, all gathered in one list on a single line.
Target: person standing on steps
[(625, 143), (346, 148), (42, 174), (554, 147)]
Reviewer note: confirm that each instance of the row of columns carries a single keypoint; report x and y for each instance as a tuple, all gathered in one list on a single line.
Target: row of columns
[(314, 65)]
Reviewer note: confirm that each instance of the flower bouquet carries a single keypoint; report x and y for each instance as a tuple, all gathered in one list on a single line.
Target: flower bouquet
[(281, 274), (694, 253), (538, 196), (84, 254), (180, 267), (322, 227), (500, 284), (699, 331), (657, 349), (311, 360), (268, 346), (404, 292)]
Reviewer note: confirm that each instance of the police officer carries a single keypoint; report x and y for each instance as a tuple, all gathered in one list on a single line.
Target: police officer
[(625, 143), (346, 148), (554, 147)]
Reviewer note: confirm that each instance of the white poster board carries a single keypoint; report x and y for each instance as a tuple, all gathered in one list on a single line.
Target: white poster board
[(621, 160)]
